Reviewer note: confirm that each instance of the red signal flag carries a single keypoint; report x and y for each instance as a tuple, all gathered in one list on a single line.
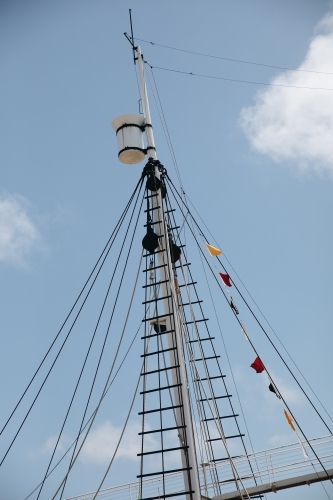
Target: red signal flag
[(226, 279), (257, 365)]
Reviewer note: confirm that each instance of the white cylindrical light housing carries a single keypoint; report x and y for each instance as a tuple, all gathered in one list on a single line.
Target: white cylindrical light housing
[(129, 130)]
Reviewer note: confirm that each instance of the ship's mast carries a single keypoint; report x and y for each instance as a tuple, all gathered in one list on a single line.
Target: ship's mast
[(189, 458)]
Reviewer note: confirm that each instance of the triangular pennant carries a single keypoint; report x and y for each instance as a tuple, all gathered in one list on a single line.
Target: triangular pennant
[(226, 279), (257, 365), (213, 251), (272, 388), (303, 449), (289, 420)]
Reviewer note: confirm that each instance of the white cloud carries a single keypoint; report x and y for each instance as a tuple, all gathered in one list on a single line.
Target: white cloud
[(101, 443), (48, 447), (18, 234), (297, 124)]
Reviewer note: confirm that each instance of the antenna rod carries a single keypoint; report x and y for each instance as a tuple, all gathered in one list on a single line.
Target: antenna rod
[(132, 36)]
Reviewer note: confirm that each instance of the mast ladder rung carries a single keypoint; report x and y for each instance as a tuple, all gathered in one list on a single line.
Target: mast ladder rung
[(204, 359), (167, 495), (194, 302), (225, 416), (156, 284), (156, 334), (234, 480), (155, 251), (153, 268), (183, 265), (155, 300), (153, 208), (216, 397), (161, 389), (175, 227), (160, 409), (174, 428), (152, 223), (202, 340), (196, 321), (171, 471), (226, 437), (160, 370), (157, 352), (159, 251), (227, 458), (151, 196), (171, 210), (157, 317), (188, 284), (215, 376), (162, 451)]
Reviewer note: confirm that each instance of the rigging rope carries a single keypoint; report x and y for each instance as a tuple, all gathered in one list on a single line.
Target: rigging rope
[(166, 131), (212, 344), (113, 362), (168, 138), (231, 371), (259, 323), (268, 323), (91, 342), (214, 412), (204, 430), (234, 60), (124, 427), (86, 424), (170, 183), (121, 436), (58, 354), (164, 124), (99, 318), (173, 159), (210, 450), (105, 249), (236, 80)]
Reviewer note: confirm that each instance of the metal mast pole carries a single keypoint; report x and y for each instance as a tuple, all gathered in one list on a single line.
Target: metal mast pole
[(166, 275)]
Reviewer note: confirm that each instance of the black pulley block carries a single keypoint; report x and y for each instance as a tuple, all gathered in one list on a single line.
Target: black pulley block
[(153, 183), (150, 241)]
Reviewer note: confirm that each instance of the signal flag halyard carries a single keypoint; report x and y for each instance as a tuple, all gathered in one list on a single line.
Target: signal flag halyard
[(213, 251)]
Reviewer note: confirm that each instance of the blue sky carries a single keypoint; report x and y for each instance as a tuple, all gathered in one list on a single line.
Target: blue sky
[(256, 161)]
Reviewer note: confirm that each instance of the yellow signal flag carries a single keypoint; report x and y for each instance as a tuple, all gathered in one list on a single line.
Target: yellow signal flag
[(213, 250), (289, 420)]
